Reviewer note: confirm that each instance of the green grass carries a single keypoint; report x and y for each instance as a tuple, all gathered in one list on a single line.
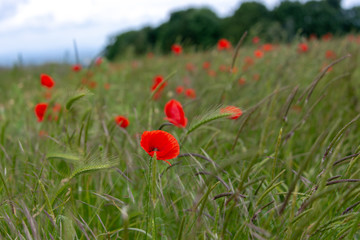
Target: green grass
[(288, 168)]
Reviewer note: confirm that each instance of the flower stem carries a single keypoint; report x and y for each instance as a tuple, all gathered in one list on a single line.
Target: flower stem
[(153, 193), (153, 180)]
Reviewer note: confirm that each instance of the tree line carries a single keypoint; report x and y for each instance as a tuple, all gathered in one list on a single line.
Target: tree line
[(201, 28)]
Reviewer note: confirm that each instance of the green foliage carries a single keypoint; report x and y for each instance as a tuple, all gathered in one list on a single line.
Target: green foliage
[(243, 19), (199, 27)]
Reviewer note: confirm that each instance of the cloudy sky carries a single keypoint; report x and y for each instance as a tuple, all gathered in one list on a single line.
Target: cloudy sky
[(41, 30)]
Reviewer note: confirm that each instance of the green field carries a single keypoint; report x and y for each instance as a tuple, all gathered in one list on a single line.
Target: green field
[(288, 168)]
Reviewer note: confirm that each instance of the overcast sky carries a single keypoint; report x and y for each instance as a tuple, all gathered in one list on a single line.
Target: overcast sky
[(43, 30)]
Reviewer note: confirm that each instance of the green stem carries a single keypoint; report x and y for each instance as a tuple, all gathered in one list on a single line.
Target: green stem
[(153, 193), (153, 180), (147, 199)]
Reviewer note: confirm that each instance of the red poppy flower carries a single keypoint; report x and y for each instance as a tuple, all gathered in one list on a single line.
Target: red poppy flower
[(312, 37), (57, 107), (267, 47), (256, 40), (46, 81), (98, 61), (150, 55), (190, 93), (206, 65), (256, 77), (158, 81), (92, 84), (42, 133), (176, 48), (179, 89), (296, 108), (135, 64), (224, 68), (163, 143), (40, 110), (223, 44), (121, 121), (351, 38), (175, 114), (303, 47), (48, 94), (212, 73), (258, 53), (234, 70), (235, 111), (330, 54), (324, 65), (107, 86), (249, 60), (190, 67), (327, 37), (76, 67), (241, 81)]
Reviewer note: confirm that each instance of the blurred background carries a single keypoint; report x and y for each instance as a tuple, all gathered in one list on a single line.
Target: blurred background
[(40, 31)]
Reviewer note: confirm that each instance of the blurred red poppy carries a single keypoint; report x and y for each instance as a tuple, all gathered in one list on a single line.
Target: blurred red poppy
[(256, 77), (48, 94), (312, 37), (106, 86), (160, 142), (224, 68), (303, 47), (330, 54), (190, 67), (175, 114), (40, 110), (179, 89), (98, 61), (258, 53), (46, 81), (159, 84), (212, 73), (150, 55), (76, 67), (177, 49), (249, 61), (235, 111), (121, 121), (324, 65), (223, 44), (92, 84), (327, 37), (241, 81), (57, 107), (256, 40), (267, 47), (190, 93), (206, 65), (43, 133)]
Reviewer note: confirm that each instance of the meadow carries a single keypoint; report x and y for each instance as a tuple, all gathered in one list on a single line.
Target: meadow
[(287, 168)]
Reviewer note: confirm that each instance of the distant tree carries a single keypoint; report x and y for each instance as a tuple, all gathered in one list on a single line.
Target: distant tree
[(321, 18), (140, 41), (291, 17), (200, 27), (247, 15), (351, 19), (334, 3)]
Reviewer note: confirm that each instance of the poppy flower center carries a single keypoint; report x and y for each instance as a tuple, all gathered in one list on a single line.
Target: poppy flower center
[(154, 149)]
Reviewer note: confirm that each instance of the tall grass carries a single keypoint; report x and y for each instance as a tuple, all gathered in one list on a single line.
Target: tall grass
[(286, 169)]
